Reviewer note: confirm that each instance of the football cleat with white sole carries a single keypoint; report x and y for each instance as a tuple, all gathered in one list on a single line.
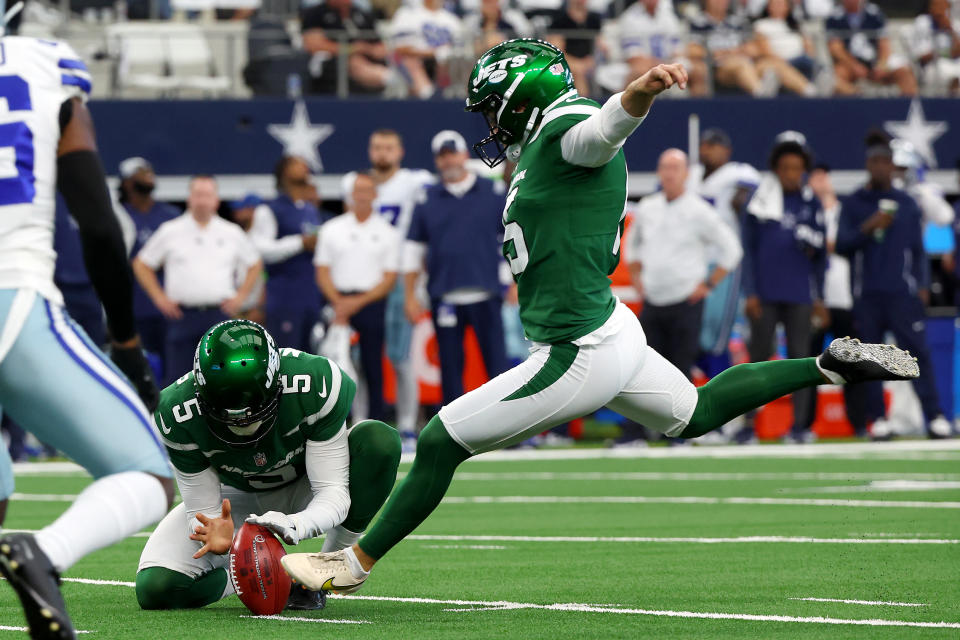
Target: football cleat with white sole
[(337, 571), (940, 427), (30, 573), (855, 361)]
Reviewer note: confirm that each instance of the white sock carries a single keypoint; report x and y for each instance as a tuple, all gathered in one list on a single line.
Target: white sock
[(109, 510), (354, 563), (408, 397), (339, 538), (833, 376)]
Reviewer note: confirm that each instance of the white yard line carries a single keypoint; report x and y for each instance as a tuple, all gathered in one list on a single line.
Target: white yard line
[(43, 497), (585, 608), (880, 486), (302, 619), (806, 502), (690, 540), (4, 627), (867, 602), (593, 608), (900, 449), (941, 478), (479, 547)]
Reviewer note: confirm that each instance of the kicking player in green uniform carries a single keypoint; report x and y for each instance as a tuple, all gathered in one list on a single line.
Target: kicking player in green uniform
[(563, 222), (257, 430)]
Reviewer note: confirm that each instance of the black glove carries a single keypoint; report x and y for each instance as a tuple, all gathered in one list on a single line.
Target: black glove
[(134, 365)]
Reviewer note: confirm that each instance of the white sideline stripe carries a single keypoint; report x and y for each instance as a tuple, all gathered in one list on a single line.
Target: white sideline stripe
[(302, 619), (809, 502), (868, 602), (4, 627), (950, 479), (488, 547), (586, 608), (880, 486), (571, 606), (43, 497), (930, 449), (736, 540)]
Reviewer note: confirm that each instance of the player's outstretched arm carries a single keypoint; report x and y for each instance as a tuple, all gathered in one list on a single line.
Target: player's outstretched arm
[(81, 180), (639, 94)]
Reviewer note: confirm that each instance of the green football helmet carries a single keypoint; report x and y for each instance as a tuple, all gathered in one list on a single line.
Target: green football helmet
[(512, 84), (236, 379)]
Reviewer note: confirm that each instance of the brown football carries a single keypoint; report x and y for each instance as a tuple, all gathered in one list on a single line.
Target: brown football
[(259, 579)]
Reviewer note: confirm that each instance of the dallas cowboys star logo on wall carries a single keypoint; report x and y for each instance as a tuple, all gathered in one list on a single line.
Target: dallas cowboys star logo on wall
[(300, 137), (918, 131)]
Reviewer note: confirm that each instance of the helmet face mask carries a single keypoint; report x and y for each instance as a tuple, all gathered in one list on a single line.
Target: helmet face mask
[(512, 85), (236, 382)]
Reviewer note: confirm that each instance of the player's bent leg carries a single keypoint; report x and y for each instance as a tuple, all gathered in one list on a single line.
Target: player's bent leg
[(374, 457), (169, 577)]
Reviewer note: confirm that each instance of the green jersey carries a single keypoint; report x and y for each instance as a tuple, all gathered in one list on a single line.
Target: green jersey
[(562, 226), (314, 404)]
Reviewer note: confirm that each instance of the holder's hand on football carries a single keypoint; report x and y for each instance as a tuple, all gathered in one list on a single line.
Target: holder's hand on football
[(280, 523), (216, 534)]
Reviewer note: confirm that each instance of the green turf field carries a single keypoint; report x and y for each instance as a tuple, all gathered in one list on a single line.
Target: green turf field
[(701, 543)]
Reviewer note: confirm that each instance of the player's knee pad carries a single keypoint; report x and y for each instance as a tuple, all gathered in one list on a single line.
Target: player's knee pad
[(157, 587), (378, 440)]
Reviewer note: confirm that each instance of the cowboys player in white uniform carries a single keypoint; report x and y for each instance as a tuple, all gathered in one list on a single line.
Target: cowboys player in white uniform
[(397, 190), (53, 380)]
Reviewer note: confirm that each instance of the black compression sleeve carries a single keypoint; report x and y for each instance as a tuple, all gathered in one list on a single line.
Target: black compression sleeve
[(81, 180)]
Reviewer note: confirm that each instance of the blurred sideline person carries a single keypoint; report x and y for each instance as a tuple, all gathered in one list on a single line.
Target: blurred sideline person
[(785, 259), (284, 231), (356, 268), (397, 191), (137, 184), (201, 253), (456, 233), (53, 381), (727, 185), (880, 232), (670, 242)]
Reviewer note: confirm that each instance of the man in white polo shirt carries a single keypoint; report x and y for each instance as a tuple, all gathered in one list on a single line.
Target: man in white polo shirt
[(357, 261), (201, 255)]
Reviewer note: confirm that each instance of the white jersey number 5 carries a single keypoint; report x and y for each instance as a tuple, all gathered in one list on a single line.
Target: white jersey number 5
[(519, 256)]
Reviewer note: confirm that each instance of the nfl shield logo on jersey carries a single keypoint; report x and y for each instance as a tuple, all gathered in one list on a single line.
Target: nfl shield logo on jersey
[(260, 459)]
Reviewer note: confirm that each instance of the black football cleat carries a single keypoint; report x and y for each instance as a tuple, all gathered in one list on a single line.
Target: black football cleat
[(32, 576), (856, 361), (303, 599)]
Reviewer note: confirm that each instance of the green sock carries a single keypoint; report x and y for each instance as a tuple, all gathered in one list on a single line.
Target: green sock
[(415, 498), (162, 588), (374, 457), (748, 386)]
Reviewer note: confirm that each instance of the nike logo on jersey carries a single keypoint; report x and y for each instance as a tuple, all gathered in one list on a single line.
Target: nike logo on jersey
[(323, 388), (163, 427)]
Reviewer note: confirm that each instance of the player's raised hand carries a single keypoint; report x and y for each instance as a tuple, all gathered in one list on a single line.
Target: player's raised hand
[(639, 94), (216, 534)]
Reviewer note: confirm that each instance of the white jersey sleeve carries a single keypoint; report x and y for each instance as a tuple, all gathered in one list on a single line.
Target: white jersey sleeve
[(36, 78), (397, 197)]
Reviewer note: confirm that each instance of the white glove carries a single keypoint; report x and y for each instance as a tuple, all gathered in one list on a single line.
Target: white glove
[(287, 527)]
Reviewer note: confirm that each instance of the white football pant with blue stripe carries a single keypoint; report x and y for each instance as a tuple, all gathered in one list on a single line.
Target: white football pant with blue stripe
[(56, 384)]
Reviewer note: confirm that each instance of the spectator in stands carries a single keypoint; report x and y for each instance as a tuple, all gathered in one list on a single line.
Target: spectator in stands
[(340, 27), (456, 234), (738, 61), (951, 261), (201, 254), (668, 244), (778, 34), (137, 184), (880, 232), (424, 40), (356, 266), (936, 46), (284, 231), (575, 30), (838, 299), (784, 261), (861, 49), (494, 23), (650, 34)]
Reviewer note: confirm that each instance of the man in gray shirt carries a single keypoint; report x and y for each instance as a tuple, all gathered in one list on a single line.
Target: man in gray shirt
[(668, 256)]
